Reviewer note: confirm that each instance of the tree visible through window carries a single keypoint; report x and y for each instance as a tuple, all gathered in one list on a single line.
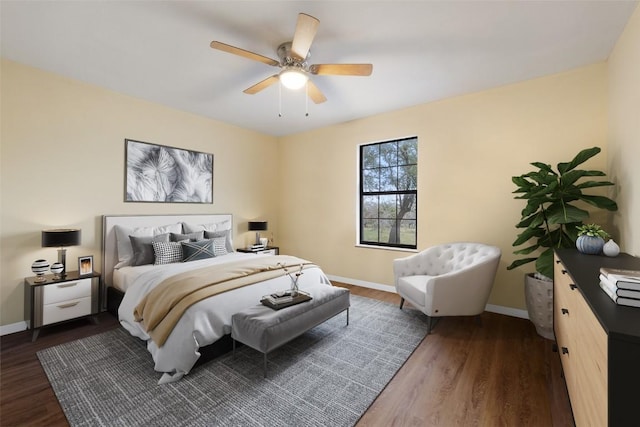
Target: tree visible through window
[(388, 193)]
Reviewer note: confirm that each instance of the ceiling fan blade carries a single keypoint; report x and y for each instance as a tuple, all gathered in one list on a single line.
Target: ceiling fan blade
[(342, 69), (245, 53), (262, 85), (306, 29), (314, 93)]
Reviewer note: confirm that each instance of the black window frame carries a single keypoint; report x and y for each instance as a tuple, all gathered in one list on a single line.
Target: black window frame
[(362, 194)]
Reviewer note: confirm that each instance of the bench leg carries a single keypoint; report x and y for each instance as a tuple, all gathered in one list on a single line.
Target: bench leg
[(347, 317), (265, 365)]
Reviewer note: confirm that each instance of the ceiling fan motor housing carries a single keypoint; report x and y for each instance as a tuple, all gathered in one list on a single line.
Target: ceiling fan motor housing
[(288, 59)]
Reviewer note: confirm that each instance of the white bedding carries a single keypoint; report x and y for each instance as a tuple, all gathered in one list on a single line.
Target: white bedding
[(203, 323)]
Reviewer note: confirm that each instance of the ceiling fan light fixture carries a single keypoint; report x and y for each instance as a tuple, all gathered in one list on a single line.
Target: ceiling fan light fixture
[(293, 78)]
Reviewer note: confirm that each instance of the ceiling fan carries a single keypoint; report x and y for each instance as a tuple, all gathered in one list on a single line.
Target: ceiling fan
[(294, 70)]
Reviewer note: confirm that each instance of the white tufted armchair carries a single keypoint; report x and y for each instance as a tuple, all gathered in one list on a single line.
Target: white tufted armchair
[(453, 279)]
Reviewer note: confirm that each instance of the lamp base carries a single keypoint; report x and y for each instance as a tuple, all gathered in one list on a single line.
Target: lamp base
[(62, 259)]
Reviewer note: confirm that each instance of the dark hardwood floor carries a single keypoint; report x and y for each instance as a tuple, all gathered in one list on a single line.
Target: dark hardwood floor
[(496, 372)]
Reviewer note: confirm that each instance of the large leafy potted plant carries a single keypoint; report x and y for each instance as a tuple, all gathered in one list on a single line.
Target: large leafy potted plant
[(554, 209)]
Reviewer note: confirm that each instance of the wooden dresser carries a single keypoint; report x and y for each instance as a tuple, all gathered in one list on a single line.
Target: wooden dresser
[(598, 341)]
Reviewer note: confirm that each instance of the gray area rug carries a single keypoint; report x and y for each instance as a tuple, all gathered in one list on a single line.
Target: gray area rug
[(326, 377)]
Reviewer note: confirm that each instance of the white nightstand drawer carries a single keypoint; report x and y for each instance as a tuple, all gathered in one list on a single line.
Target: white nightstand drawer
[(64, 291), (59, 311)]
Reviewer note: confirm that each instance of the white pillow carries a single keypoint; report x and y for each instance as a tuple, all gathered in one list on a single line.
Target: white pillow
[(125, 250), (216, 226)]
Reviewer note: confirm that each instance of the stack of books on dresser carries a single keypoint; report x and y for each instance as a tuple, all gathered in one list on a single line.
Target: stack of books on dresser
[(622, 286)]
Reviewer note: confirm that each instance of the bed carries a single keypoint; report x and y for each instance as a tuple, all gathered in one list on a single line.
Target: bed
[(204, 327)]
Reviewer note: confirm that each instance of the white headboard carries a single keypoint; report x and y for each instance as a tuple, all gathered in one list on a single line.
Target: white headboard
[(110, 248)]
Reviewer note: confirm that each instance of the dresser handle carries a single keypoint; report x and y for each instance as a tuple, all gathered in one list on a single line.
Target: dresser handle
[(558, 261), (573, 286), (564, 311), (68, 285), (71, 304), (565, 350), (564, 271)]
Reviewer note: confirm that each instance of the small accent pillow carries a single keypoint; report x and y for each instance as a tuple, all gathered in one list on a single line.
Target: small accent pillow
[(192, 251), (219, 246), (143, 248), (177, 237), (226, 234), (167, 252)]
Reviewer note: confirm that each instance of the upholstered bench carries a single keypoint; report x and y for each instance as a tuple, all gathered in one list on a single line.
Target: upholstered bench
[(265, 329)]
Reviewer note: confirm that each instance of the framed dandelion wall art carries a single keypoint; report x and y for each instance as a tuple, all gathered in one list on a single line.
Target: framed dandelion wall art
[(157, 173)]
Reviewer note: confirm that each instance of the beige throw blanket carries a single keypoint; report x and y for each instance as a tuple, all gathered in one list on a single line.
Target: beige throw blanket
[(161, 309)]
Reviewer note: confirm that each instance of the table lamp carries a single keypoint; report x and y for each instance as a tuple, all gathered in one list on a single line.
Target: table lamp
[(257, 226), (61, 238)]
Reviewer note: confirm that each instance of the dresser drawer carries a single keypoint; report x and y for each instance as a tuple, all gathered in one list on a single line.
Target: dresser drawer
[(65, 310), (65, 291)]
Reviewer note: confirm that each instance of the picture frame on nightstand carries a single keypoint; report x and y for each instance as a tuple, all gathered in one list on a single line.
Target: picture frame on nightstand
[(85, 265)]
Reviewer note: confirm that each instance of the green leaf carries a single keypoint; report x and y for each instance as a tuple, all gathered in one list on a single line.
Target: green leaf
[(591, 184), (563, 213), (544, 167), (517, 263), (601, 202), (544, 263), (580, 158), (527, 251), (527, 234)]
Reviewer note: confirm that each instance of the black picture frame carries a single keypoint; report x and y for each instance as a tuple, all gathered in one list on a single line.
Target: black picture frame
[(85, 265), (163, 174)]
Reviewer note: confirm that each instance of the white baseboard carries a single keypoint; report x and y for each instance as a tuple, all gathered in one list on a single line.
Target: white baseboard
[(507, 311), (499, 309), (13, 328)]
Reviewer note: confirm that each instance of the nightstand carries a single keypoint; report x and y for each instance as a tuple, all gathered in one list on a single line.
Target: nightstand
[(269, 250), (58, 300)]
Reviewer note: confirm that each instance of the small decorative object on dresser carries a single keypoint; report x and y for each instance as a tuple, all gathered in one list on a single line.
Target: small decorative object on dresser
[(56, 269), (611, 248), (39, 268), (590, 239), (85, 265)]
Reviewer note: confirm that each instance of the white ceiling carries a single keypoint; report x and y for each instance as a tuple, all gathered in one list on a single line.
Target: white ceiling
[(421, 51)]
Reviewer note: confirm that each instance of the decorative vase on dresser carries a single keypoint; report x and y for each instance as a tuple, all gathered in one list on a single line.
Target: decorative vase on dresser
[(598, 341), (590, 245)]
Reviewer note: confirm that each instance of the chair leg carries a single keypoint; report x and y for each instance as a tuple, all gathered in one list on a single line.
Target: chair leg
[(479, 320), (431, 323), (401, 302)]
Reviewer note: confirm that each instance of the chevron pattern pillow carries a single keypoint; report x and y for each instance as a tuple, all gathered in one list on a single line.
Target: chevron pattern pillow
[(201, 249)]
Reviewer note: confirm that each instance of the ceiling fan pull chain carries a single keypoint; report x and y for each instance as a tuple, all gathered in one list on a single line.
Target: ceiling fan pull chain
[(306, 99), (280, 99)]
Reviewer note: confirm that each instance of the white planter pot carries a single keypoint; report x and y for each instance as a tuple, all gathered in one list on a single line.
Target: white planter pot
[(539, 299)]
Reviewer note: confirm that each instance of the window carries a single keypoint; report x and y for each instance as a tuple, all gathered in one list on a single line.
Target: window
[(388, 193)]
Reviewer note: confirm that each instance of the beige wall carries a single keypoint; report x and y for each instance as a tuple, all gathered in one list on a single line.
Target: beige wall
[(62, 164), (469, 148), (624, 133)]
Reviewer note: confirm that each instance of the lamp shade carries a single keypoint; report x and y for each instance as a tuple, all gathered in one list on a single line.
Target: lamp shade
[(257, 225), (61, 237)]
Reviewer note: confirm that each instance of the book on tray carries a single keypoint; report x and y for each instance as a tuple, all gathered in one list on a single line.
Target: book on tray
[(621, 296), (284, 299)]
